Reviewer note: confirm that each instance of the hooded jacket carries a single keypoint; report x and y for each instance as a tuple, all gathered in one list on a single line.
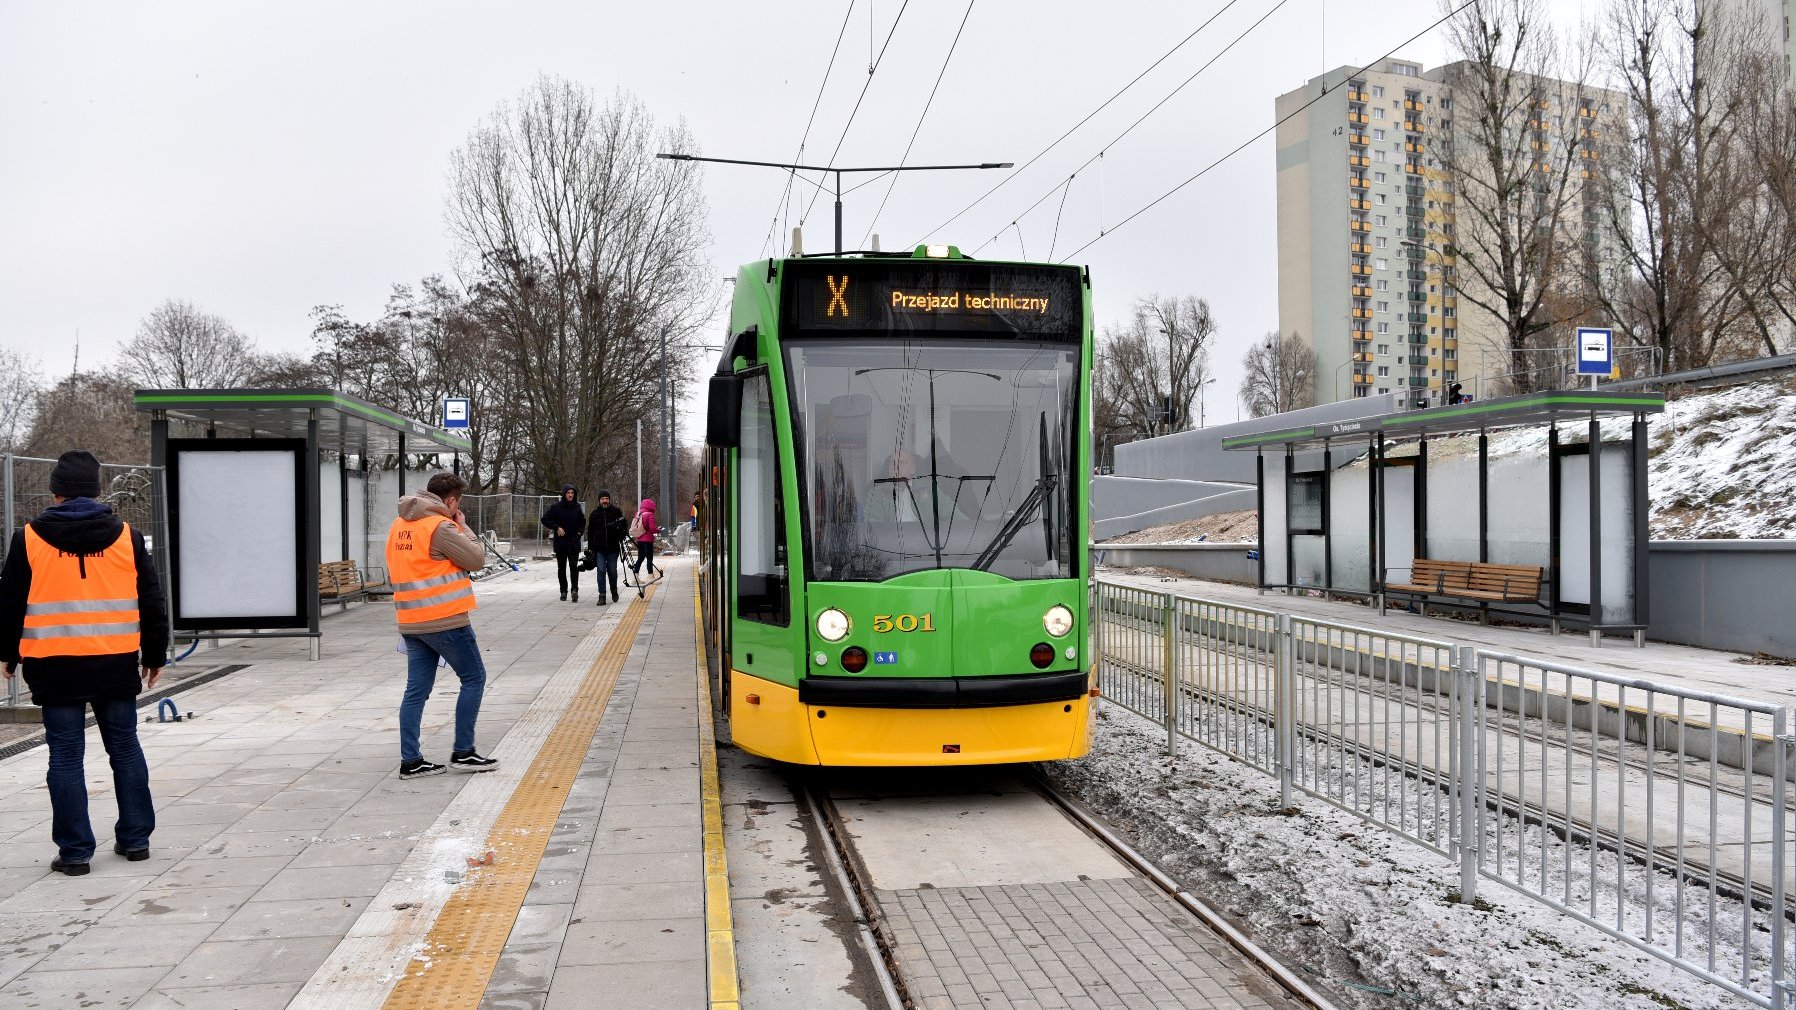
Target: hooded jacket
[(647, 511), (568, 516), (82, 526), (606, 528), (449, 543)]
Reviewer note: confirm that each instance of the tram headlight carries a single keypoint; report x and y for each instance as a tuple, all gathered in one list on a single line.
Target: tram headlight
[(1057, 621), (832, 625)]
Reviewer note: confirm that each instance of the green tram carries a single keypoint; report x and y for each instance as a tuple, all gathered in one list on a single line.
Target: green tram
[(895, 510)]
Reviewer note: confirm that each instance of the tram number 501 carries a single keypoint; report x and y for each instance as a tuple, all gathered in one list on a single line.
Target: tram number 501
[(883, 623)]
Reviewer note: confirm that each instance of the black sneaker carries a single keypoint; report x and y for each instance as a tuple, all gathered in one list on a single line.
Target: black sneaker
[(564, 596), (576, 596), (419, 768), (134, 855), (70, 869), (473, 762), (601, 599)]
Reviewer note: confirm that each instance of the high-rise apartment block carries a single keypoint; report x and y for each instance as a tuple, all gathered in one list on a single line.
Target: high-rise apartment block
[(1368, 233)]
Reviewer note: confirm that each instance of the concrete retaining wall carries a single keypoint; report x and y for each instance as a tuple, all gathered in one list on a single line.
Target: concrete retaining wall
[(1126, 504), (1220, 562), (1724, 594)]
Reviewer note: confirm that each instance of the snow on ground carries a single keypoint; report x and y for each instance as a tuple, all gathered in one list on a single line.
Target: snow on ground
[(1364, 913)]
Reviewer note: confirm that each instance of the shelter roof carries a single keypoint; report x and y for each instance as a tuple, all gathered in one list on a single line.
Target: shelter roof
[(1540, 408), (345, 423)]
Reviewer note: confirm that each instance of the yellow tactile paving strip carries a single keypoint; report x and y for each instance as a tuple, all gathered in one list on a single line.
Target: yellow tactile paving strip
[(720, 932), (459, 953)]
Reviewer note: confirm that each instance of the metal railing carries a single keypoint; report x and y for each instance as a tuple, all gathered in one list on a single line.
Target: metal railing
[(135, 492), (1656, 814), (512, 518)]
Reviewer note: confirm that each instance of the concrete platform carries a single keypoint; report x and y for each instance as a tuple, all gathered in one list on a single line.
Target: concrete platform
[(291, 867)]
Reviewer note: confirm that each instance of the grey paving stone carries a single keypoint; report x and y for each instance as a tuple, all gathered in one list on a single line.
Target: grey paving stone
[(326, 882), (269, 996), (613, 902), (637, 940), (261, 920), (88, 988), (127, 946), (651, 985)]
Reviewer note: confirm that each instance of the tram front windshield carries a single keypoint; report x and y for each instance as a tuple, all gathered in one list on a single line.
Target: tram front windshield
[(924, 454)]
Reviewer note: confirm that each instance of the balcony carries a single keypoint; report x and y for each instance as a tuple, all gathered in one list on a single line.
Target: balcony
[(1359, 225), (1361, 291), (1361, 379), (1356, 181), (1357, 117), (1359, 204), (1587, 112), (1412, 147), (1417, 317), (1412, 168), (1354, 95), (1360, 313), (1358, 160), (1413, 126), (1412, 105), (1418, 380), (1362, 356), (1360, 270), (1358, 139)]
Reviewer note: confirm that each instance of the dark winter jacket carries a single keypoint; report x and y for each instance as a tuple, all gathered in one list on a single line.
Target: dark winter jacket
[(569, 517), (605, 529), (82, 526)]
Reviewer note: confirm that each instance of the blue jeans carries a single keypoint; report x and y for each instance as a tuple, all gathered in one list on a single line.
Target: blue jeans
[(462, 652), (65, 731), (607, 570)]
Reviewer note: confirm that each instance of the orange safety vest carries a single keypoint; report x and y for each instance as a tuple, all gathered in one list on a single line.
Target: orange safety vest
[(424, 588), (80, 605)]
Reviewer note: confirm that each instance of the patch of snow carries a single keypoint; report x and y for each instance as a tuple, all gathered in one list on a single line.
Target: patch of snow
[(1367, 914)]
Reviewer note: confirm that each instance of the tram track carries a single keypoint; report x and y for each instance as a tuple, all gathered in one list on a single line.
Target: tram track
[(846, 864)]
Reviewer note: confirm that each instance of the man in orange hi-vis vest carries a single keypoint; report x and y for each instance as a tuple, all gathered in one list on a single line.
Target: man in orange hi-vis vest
[(82, 611), (430, 552)]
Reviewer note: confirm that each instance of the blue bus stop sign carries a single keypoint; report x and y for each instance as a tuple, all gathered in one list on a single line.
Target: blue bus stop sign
[(1595, 350), (455, 413)]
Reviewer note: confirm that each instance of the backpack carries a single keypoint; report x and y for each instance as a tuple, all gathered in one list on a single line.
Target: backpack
[(636, 530)]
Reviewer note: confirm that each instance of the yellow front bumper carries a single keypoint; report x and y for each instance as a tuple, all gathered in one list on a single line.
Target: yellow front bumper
[(779, 726)]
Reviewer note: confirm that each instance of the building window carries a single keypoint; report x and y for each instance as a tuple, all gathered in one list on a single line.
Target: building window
[(1382, 389), (1378, 219), (1377, 134), (1378, 113), (1384, 348), (1383, 264), (1384, 370), (1381, 198), (1380, 242), (1377, 91), (1384, 306), (1383, 328), (1434, 352), (1378, 156), (1384, 285), (1450, 354), (1377, 176)]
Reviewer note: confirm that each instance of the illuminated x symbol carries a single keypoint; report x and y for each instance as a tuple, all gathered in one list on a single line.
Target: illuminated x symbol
[(835, 295)]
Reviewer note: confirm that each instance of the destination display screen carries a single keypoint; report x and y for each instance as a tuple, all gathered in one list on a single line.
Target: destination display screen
[(932, 296)]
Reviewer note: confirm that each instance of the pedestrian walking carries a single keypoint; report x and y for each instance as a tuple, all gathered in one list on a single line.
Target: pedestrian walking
[(605, 530), (82, 612), (429, 556), (643, 530), (566, 520)]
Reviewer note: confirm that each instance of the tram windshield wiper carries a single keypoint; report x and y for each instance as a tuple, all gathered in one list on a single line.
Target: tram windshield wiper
[(1035, 502)]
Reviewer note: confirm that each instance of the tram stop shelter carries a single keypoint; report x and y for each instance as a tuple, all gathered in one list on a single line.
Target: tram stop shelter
[(254, 509), (1417, 506)]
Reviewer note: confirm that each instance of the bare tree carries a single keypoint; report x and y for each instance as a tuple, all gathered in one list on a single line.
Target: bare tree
[(1152, 368), (584, 262), (20, 383), (1281, 375), (1684, 211), (1512, 153), (90, 411), (179, 347)]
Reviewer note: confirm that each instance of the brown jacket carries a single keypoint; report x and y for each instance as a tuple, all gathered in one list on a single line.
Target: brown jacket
[(449, 543)]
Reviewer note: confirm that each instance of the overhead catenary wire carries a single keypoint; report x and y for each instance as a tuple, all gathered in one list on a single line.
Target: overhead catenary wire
[(871, 68), (1099, 156), (874, 223), (1200, 173), (804, 138), (1088, 117)]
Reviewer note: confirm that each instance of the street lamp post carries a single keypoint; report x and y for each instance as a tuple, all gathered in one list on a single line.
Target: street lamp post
[(838, 173), (1338, 369), (1202, 421)]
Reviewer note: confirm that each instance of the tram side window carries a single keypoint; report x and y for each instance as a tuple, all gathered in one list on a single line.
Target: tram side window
[(761, 585)]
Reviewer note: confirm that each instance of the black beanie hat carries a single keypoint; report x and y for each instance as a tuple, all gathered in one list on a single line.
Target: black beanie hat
[(603, 493), (76, 475)]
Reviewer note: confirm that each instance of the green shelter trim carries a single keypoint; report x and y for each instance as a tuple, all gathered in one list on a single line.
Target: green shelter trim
[(283, 413), (1509, 411)]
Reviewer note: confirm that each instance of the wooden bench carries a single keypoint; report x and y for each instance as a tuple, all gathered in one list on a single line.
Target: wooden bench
[(1479, 581), (341, 582)]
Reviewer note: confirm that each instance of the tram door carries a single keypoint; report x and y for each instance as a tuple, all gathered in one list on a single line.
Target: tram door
[(760, 639)]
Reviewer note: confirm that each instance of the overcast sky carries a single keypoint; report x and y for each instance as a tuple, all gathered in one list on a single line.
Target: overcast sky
[(261, 159)]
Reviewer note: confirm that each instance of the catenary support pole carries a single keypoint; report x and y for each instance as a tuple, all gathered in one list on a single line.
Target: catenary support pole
[(1595, 484)]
